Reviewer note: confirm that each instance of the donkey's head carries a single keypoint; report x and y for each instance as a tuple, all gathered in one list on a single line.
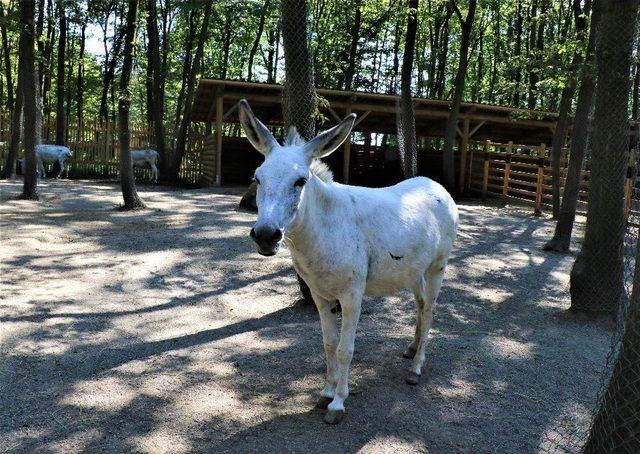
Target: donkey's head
[(282, 177)]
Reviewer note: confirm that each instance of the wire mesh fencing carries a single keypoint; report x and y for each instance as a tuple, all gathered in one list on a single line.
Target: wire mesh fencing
[(605, 279)]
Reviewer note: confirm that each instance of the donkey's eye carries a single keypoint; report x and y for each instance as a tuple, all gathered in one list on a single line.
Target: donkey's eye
[(300, 182), (256, 180)]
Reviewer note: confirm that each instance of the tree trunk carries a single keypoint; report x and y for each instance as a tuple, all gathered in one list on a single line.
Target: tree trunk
[(407, 134), (256, 42), (127, 180), (9, 170), (157, 114), (448, 162), (80, 82), (186, 68), (562, 236), (32, 119), (7, 61), (299, 93), (60, 80), (353, 47), (597, 275), (181, 138), (517, 54), (560, 133), (537, 55), (616, 424), (109, 75)]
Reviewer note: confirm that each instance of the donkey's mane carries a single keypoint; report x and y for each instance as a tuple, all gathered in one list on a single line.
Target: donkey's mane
[(318, 168)]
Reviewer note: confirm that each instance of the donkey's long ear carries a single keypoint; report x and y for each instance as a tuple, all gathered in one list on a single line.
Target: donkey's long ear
[(327, 142), (257, 133)]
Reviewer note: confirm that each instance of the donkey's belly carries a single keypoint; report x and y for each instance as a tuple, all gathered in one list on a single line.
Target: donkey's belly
[(392, 276)]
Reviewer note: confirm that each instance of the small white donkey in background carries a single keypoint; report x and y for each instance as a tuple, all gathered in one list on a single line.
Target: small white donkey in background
[(350, 241), (144, 158)]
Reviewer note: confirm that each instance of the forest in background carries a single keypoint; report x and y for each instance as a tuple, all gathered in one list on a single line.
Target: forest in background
[(522, 52)]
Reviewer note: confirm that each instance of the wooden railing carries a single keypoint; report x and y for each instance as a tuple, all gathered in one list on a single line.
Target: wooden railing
[(523, 174)]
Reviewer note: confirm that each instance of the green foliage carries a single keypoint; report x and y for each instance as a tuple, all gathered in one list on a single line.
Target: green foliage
[(491, 77)]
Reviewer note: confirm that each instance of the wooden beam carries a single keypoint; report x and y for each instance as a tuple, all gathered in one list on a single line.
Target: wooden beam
[(333, 113), (229, 112), (347, 155), (360, 118), (476, 127), (219, 121), (464, 148)]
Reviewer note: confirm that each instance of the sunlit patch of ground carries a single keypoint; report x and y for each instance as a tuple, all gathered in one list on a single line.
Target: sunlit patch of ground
[(162, 331)]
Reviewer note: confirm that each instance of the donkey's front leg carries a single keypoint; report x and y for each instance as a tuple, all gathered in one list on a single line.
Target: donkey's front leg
[(351, 305), (329, 325)]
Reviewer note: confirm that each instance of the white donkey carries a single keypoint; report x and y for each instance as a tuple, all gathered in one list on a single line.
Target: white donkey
[(49, 154), (144, 158), (350, 241)]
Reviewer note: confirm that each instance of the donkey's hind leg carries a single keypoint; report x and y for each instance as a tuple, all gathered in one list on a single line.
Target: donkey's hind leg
[(428, 292), (418, 294)]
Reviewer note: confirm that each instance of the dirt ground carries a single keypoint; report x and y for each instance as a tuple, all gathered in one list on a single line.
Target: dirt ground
[(163, 331)]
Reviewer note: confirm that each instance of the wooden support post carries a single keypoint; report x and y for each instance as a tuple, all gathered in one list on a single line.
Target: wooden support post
[(507, 170), (485, 173), (347, 154), (539, 186), (219, 114), (629, 183), (464, 148)]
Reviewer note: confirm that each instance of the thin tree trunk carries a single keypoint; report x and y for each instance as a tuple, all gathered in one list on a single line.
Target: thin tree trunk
[(408, 146), (7, 61), (597, 275), (186, 68), (562, 236), (353, 47), (256, 42), (127, 180), (186, 118), (80, 82), (32, 121), (517, 54), (560, 133), (60, 80), (9, 170), (448, 161), (109, 75), (157, 114)]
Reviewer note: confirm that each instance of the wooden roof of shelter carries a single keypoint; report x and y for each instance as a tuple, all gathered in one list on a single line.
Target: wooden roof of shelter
[(377, 112)]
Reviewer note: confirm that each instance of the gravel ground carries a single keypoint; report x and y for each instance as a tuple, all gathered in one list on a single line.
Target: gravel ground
[(162, 331)]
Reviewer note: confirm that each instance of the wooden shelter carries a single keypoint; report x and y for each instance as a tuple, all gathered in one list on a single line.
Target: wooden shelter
[(216, 100)]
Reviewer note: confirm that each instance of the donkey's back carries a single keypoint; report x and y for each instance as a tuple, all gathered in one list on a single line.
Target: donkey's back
[(399, 231)]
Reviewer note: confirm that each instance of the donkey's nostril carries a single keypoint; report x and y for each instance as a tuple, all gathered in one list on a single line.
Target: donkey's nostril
[(252, 234), (277, 235)]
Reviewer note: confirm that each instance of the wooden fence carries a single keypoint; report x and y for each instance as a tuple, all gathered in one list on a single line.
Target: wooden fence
[(522, 174), (96, 149)]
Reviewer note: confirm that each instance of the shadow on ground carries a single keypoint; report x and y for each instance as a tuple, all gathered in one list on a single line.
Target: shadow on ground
[(161, 330)]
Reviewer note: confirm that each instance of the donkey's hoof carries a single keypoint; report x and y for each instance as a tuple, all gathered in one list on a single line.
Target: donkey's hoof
[(412, 378), (334, 416), (409, 353), (323, 402)]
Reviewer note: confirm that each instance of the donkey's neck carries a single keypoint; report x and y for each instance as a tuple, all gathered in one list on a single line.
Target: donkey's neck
[(312, 213)]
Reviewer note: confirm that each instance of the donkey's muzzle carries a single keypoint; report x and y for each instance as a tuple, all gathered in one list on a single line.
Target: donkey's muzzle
[(267, 239)]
